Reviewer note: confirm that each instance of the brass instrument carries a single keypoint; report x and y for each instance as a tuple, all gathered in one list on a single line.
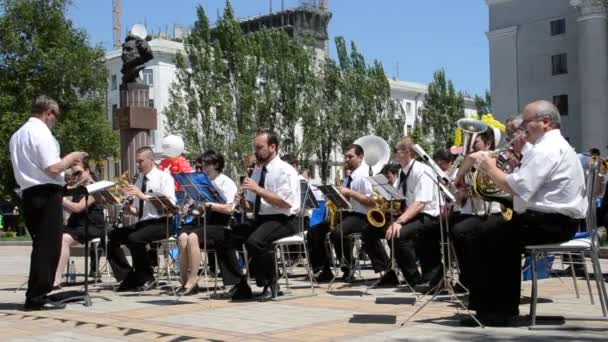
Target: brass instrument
[(486, 188), (470, 128), (376, 216), (332, 211)]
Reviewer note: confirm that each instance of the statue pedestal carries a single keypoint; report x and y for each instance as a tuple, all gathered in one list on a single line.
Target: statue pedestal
[(134, 118)]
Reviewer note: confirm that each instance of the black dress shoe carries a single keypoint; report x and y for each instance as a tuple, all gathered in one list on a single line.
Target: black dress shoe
[(324, 277), (148, 285), (241, 291), (490, 320), (45, 304), (126, 287), (389, 279), (270, 292)]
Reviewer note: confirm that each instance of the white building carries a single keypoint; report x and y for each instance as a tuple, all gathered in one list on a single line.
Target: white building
[(554, 50), (411, 98)]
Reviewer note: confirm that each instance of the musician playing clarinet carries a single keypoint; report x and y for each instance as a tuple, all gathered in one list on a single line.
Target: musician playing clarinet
[(273, 194)]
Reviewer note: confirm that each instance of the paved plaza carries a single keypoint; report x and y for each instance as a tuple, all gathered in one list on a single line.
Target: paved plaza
[(342, 313)]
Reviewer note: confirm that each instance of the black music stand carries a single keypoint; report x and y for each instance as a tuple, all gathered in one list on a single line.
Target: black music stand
[(86, 191), (383, 187), (342, 204), (201, 189), (444, 196)]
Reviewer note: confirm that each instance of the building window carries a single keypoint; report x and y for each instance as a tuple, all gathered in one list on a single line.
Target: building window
[(408, 107), (408, 130), (114, 83), (559, 64), (561, 102), (149, 77), (558, 27)]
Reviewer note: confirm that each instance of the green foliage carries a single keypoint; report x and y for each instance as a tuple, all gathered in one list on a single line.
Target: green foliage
[(443, 106), (483, 104), (230, 86), (41, 52)]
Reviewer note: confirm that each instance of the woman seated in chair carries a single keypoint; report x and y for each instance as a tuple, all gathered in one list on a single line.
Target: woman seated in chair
[(217, 233), (73, 232)]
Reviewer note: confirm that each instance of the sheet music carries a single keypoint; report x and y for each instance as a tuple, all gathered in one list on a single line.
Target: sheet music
[(98, 186), (385, 189), (332, 194)]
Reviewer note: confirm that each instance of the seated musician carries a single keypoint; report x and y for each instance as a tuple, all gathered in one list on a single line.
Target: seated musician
[(217, 231), (273, 194), (151, 224), (358, 190), (73, 232), (416, 230), (549, 200), (473, 211), (391, 172)]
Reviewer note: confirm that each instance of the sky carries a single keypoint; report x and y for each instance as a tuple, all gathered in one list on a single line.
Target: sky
[(412, 39)]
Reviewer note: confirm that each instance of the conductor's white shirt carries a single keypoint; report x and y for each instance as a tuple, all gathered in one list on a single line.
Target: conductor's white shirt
[(33, 149)]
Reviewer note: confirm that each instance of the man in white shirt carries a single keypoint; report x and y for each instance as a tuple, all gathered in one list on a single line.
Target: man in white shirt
[(151, 224), (273, 194), (416, 230), (358, 190), (549, 200), (39, 172)]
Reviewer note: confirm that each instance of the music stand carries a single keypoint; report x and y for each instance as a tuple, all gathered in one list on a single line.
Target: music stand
[(86, 191), (201, 189), (332, 194), (445, 283)]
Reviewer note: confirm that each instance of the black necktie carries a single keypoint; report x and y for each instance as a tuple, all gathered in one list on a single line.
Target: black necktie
[(141, 201), (403, 182), (348, 181), (258, 199)]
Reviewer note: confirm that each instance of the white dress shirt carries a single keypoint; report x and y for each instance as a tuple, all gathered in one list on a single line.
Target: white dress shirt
[(158, 182), (33, 149), (282, 180), (360, 184), (226, 186), (550, 179), (420, 187)]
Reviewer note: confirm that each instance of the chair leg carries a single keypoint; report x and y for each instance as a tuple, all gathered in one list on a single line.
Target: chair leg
[(308, 268), (534, 289), (587, 277), (284, 262), (599, 281), (578, 296)]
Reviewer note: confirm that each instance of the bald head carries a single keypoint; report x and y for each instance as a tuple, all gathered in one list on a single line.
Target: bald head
[(544, 108)]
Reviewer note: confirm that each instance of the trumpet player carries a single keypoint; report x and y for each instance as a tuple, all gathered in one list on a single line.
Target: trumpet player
[(549, 200), (151, 225), (416, 230), (217, 235)]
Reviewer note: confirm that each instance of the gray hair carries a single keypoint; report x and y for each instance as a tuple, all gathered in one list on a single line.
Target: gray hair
[(545, 108), (514, 120), (43, 103)]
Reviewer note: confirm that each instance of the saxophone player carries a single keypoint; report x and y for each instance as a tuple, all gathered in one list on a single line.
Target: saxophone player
[(549, 201), (218, 236)]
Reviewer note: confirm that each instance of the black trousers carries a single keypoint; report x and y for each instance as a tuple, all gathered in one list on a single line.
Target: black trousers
[(316, 242), (258, 238), (219, 239), (43, 218), (136, 238), (352, 223), (419, 238), (464, 230), (496, 259)]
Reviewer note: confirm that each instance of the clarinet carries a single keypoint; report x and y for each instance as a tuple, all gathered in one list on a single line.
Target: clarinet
[(237, 206)]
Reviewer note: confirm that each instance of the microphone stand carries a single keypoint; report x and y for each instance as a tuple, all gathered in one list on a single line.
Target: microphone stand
[(443, 196)]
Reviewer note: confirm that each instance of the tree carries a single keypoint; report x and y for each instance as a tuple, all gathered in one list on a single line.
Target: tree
[(443, 106), (483, 104), (41, 52)]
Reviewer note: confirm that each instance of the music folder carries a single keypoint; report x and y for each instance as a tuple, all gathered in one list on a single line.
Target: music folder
[(162, 203), (309, 199), (385, 189), (199, 187), (332, 194)]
